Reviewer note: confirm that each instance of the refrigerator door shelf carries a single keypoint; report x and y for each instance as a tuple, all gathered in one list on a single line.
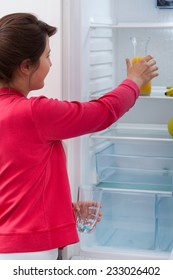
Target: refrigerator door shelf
[(132, 222)]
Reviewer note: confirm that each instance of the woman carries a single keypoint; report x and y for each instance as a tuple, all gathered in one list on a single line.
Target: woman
[(36, 212)]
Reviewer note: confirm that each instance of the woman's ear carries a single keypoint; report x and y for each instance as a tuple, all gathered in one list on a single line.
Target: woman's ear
[(26, 66)]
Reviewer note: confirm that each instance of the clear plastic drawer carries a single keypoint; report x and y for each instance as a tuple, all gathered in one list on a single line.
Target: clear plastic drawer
[(165, 222), (134, 222)]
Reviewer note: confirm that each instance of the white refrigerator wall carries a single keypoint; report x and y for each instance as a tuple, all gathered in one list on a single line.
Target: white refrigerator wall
[(161, 43), (141, 11), (51, 12), (129, 13)]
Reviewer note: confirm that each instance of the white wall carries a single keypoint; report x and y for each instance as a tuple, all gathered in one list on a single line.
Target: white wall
[(51, 12)]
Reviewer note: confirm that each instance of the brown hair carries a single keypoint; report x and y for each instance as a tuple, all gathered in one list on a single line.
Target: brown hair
[(22, 36)]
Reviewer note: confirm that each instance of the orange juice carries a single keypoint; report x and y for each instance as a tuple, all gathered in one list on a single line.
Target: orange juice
[(145, 89)]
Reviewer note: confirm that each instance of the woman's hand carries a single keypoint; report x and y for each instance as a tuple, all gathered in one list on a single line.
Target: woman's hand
[(142, 71), (87, 210)]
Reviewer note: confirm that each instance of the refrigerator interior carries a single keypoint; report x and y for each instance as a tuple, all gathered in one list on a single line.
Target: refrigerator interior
[(132, 161)]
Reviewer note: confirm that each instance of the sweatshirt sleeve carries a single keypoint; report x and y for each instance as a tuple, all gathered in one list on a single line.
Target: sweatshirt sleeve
[(57, 120)]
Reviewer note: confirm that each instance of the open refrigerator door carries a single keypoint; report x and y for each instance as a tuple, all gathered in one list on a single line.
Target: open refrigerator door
[(132, 161)]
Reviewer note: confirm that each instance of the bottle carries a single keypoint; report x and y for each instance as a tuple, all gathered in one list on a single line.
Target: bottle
[(140, 46)]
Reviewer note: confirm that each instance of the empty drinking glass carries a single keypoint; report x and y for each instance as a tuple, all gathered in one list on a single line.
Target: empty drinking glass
[(89, 203)]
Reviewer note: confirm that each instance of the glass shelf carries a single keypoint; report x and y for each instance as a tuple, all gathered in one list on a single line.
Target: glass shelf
[(132, 25), (136, 188), (158, 92), (146, 132)]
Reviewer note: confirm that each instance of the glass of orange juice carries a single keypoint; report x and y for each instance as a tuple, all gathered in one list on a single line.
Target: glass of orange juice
[(140, 46)]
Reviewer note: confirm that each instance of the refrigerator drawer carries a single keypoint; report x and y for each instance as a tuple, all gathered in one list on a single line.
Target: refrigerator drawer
[(133, 221), (147, 169), (165, 223)]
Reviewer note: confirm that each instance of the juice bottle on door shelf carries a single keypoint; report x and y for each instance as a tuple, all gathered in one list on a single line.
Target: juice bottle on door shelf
[(140, 50)]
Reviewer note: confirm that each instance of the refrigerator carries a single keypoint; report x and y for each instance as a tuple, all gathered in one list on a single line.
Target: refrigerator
[(132, 161)]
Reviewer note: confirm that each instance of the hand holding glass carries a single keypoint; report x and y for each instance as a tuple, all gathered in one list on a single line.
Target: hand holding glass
[(140, 46), (88, 208)]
